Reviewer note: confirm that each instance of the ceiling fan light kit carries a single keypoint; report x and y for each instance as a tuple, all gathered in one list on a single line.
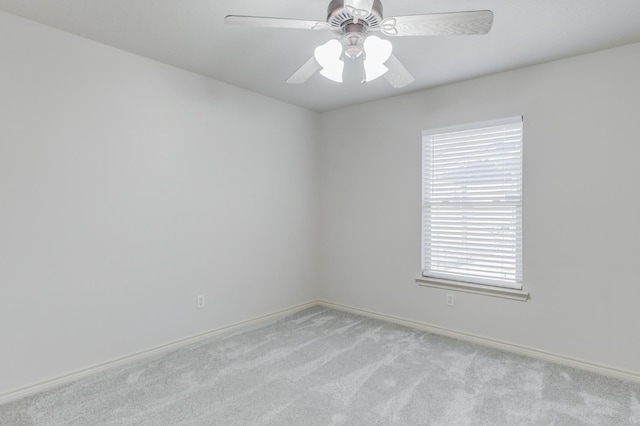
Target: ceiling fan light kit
[(354, 21)]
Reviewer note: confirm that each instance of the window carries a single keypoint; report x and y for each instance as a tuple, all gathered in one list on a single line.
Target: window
[(472, 204)]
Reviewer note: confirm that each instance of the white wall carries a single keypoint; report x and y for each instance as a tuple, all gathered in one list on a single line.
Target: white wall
[(581, 206), (128, 187)]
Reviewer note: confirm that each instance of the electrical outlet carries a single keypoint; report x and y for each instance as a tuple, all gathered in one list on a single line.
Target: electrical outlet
[(200, 301), (450, 299)]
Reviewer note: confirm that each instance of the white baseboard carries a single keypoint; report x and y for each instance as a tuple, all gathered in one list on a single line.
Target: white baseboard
[(66, 378), (494, 343)]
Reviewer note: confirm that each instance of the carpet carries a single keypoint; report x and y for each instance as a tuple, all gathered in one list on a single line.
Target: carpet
[(321, 366)]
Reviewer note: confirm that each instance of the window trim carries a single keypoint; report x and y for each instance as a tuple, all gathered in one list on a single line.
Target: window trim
[(487, 290), (465, 286)]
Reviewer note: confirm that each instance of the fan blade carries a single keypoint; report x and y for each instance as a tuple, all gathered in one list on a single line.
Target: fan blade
[(397, 76), (303, 73), (455, 23), (259, 21)]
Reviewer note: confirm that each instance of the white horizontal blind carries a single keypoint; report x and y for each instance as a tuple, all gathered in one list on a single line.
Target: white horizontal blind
[(472, 203)]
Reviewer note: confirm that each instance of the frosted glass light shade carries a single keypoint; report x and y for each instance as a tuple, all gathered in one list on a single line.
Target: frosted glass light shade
[(328, 56), (377, 51)]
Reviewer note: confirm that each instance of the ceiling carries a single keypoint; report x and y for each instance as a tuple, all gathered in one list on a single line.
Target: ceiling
[(191, 34)]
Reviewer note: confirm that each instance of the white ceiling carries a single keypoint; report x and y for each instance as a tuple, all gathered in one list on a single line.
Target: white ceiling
[(191, 34)]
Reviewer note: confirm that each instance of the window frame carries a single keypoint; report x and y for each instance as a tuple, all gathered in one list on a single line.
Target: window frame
[(511, 289)]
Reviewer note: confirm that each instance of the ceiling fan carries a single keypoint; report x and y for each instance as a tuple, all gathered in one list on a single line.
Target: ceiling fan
[(354, 22)]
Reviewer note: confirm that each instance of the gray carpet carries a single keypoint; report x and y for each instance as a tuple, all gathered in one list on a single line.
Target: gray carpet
[(326, 367)]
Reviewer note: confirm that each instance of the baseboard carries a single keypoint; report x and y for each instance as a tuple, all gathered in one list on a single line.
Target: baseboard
[(494, 343), (60, 380)]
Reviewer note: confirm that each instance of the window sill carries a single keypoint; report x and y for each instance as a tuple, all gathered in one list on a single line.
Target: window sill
[(506, 293)]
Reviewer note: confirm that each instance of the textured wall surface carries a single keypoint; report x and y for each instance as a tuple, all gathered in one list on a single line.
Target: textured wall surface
[(127, 188), (580, 206)]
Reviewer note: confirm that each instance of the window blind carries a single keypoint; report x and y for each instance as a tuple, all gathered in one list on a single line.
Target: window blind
[(472, 203)]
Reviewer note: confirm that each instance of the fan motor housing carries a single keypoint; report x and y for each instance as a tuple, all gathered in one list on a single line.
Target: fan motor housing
[(338, 17)]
